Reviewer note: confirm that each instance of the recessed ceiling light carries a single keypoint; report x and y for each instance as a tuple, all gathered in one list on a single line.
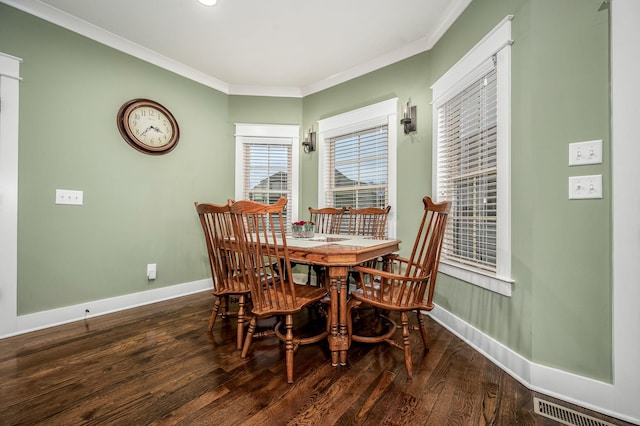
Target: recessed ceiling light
[(208, 2)]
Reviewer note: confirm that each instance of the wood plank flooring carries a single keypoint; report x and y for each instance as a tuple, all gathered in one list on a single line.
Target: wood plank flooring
[(158, 365)]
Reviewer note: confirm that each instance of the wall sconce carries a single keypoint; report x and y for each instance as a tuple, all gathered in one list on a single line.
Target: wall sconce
[(410, 118), (309, 142)]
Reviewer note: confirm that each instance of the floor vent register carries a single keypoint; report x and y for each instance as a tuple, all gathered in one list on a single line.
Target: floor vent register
[(565, 415)]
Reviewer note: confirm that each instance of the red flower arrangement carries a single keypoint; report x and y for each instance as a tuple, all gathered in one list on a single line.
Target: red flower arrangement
[(302, 229), (303, 223)]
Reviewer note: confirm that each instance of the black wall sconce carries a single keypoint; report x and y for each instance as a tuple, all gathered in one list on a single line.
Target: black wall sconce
[(409, 118), (309, 142)]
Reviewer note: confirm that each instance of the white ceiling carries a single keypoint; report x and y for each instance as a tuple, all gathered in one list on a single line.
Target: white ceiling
[(260, 47)]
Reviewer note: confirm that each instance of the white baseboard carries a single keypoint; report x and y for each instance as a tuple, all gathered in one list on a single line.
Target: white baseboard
[(67, 314), (583, 391)]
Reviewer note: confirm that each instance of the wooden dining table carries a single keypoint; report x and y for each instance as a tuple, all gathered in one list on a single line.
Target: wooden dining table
[(338, 253)]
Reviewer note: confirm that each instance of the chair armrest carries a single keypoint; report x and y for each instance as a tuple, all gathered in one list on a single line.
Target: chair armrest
[(386, 275), (392, 263)]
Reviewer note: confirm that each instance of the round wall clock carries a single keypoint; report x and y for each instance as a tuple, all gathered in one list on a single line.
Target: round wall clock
[(148, 126)]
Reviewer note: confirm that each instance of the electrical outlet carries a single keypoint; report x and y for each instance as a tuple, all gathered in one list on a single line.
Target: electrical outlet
[(67, 196), (585, 187), (151, 271), (588, 152)]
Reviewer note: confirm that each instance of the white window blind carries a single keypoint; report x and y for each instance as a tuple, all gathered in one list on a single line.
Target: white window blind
[(467, 173), (267, 166), (357, 170), (472, 165), (357, 159)]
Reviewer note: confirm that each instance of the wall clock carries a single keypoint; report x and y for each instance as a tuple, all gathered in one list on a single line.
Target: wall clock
[(148, 126)]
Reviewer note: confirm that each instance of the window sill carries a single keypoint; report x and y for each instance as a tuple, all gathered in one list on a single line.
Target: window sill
[(496, 284)]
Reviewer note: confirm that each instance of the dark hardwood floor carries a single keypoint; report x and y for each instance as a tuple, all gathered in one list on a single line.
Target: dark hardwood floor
[(158, 365)]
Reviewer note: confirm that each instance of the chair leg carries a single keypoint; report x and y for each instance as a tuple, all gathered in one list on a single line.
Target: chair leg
[(328, 319), (240, 322), (423, 329), (247, 340), (224, 307), (405, 342), (350, 306), (214, 314), (289, 347)]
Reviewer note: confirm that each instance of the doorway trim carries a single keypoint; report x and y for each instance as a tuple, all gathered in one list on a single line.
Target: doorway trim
[(9, 96)]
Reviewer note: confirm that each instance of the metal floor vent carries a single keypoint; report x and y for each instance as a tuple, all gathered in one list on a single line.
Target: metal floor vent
[(565, 415)]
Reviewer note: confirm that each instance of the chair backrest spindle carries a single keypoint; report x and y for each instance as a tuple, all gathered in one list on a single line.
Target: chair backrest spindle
[(327, 220), (368, 221), (225, 265), (425, 255)]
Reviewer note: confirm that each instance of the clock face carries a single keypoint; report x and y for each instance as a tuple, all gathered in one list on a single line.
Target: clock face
[(148, 126)]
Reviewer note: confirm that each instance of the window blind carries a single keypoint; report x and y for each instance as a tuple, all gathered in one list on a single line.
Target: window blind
[(267, 165), (467, 173), (357, 171)]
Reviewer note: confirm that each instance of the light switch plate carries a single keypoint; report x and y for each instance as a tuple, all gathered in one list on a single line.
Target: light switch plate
[(67, 196), (588, 152), (585, 187)]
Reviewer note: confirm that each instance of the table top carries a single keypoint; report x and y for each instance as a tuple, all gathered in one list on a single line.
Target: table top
[(338, 249)]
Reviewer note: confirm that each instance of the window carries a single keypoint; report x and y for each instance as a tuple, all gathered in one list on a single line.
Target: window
[(357, 169), (471, 155), (467, 172), (357, 164), (267, 165)]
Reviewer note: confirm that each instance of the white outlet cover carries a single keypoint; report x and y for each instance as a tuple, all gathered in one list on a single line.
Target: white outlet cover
[(151, 271), (585, 187)]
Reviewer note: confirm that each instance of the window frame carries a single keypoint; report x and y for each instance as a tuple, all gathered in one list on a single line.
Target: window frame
[(378, 114), (496, 44), (281, 134)]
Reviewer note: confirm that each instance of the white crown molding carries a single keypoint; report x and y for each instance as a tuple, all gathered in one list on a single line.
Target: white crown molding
[(63, 19), (379, 62), (107, 38), (453, 12), (411, 49), (274, 91)]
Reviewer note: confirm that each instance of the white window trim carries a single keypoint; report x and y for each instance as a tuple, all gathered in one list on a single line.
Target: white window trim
[(379, 114), (10, 93), (290, 134), (472, 65)]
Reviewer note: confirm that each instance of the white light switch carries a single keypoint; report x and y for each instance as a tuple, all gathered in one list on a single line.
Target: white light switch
[(584, 187), (588, 152), (66, 196)]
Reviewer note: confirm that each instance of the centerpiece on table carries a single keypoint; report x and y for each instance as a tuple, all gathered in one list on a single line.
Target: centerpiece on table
[(302, 229)]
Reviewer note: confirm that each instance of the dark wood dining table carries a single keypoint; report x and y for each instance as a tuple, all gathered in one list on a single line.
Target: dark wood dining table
[(338, 253)]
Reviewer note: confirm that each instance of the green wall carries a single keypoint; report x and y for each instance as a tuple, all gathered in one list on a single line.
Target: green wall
[(265, 110), (139, 209), (559, 314)]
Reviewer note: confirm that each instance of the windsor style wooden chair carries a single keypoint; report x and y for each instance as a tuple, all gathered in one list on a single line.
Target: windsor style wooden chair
[(326, 220), (404, 282), (227, 272), (261, 230), (368, 221)]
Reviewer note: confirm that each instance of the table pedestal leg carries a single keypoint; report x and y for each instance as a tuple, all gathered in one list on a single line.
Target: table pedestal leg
[(338, 338)]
